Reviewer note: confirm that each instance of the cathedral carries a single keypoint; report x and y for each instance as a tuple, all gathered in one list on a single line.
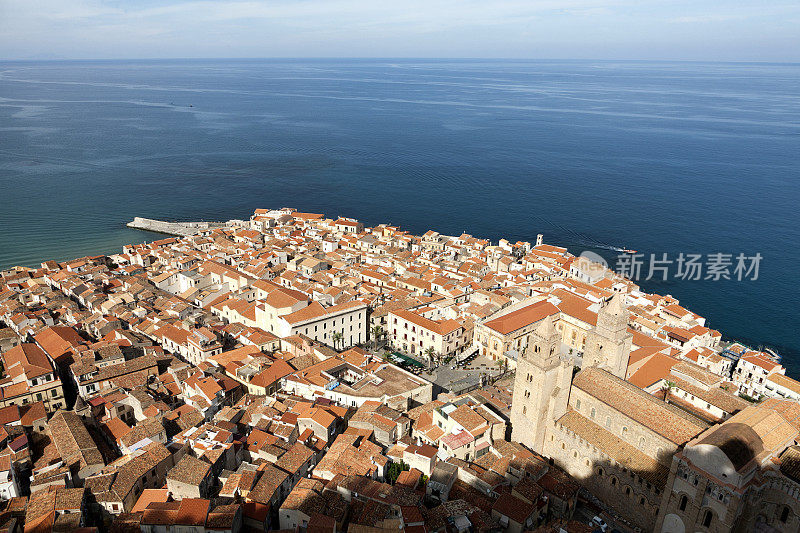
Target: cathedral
[(658, 466)]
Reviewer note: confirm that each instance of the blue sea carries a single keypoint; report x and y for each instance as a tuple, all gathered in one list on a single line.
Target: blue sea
[(656, 156)]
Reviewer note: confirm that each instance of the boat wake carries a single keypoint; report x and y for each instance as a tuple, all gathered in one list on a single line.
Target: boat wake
[(606, 247), (586, 240), (609, 247)]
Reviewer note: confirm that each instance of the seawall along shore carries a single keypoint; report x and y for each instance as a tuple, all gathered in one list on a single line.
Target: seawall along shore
[(173, 228)]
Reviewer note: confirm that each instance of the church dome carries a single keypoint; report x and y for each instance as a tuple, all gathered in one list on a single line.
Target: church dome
[(739, 442)]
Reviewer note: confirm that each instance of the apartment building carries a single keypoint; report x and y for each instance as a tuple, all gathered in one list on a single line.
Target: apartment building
[(30, 376)]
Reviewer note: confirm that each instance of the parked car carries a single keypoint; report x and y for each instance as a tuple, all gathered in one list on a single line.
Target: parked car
[(599, 522)]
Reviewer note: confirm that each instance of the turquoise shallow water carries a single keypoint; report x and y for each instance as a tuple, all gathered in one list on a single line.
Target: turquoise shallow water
[(660, 157)]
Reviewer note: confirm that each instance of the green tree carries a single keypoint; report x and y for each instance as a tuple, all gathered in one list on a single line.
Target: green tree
[(666, 388), (377, 333), (337, 338), (393, 471), (430, 352), (751, 399)]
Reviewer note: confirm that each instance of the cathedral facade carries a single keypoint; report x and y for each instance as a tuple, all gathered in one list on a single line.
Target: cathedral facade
[(633, 450)]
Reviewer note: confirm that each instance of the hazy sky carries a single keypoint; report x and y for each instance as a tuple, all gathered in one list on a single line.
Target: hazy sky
[(766, 30)]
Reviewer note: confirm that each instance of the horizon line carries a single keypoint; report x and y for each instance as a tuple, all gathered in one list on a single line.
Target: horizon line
[(399, 58)]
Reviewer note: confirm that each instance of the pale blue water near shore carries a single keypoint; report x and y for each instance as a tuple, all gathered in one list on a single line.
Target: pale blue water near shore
[(660, 157)]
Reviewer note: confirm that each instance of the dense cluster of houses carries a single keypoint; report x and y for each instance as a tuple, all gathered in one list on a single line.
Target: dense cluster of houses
[(235, 380)]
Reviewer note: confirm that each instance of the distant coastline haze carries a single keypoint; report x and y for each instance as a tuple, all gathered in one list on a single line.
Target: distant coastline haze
[(736, 30)]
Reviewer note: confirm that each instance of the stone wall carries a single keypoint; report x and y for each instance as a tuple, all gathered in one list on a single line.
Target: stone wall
[(173, 228), (617, 487)]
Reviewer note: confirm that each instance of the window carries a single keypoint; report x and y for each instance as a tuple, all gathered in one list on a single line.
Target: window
[(613, 481), (591, 415), (682, 504), (577, 404), (707, 518), (608, 421), (785, 514)]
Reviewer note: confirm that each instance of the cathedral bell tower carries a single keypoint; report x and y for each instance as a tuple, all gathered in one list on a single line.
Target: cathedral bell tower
[(608, 344), (541, 386)]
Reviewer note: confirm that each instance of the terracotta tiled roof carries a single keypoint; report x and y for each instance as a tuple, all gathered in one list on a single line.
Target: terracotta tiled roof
[(148, 496), (189, 470), (514, 508), (786, 382), (268, 484), (666, 420), (73, 440), (522, 317), (654, 369)]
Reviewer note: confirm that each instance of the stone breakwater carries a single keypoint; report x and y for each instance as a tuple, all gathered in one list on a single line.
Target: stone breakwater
[(173, 228)]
